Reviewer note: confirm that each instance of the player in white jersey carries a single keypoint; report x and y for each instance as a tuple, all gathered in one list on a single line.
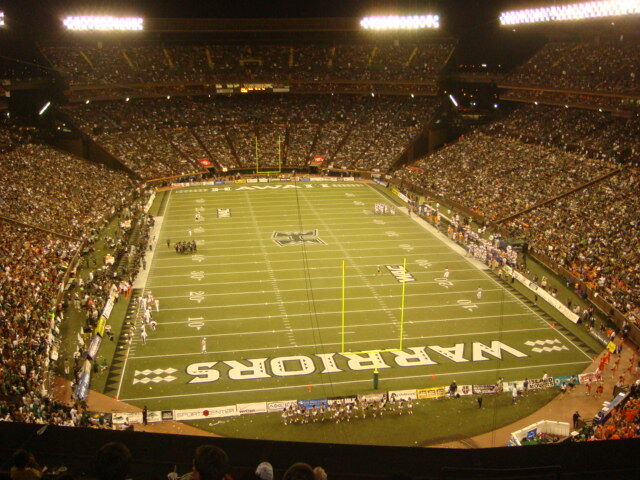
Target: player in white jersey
[(446, 273), (479, 293), (143, 335), (157, 304), (153, 324), (203, 345)]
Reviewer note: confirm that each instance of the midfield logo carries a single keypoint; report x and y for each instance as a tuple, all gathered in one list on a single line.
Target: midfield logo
[(285, 239)]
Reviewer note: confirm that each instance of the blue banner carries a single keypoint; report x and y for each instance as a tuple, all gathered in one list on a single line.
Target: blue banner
[(316, 402), (92, 351), (82, 390)]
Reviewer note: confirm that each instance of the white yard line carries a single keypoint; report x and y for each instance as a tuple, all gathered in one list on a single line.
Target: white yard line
[(289, 260), (336, 300), (253, 292), (295, 279), (238, 319), (348, 382), (374, 340), (272, 276), (288, 254)]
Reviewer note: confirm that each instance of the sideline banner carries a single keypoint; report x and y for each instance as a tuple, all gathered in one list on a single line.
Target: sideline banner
[(465, 390), (590, 377), (316, 402), (280, 406), (434, 392), (486, 389), (251, 408), (372, 397), (565, 380), (403, 395), (342, 400)]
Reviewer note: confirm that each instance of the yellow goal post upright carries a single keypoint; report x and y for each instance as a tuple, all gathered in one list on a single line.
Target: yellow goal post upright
[(343, 320), (257, 155)]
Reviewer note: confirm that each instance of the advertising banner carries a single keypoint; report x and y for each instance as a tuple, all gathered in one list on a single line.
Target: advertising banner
[(316, 402), (280, 406), (565, 380), (126, 418), (251, 408), (465, 390), (108, 306), (372, 397), (403, 395), (102, 322), (167, 414), (486, 389), (94, 346), (434, 392), (154, 417), (342, 400), (221, 412), (590, 377)]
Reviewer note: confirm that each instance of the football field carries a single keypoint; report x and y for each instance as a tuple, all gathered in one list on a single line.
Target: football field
[(256, 313)]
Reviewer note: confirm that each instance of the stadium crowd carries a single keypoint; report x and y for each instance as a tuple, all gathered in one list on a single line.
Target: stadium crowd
[(165, 137), (116, 63), (588, 132), (610, 65), (71, 208), (593, 233), (624, 421), (496, 176)]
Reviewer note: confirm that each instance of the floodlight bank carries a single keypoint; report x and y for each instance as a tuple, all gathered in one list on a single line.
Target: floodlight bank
[(573, 11), (102, 23), (400, 22)]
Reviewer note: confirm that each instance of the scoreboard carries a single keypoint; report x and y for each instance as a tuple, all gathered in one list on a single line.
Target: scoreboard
[(250, 87)]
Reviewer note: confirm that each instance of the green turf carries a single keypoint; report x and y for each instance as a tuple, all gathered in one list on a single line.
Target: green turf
[(253, 299), (434, 422)]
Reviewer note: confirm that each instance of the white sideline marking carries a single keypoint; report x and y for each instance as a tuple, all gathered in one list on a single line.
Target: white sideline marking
[(347, 382)]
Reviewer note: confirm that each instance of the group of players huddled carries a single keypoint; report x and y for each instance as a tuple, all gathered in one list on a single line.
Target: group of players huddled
[(345, 412), (186, 247)]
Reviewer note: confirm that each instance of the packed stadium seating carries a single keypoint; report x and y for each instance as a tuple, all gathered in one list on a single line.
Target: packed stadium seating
[(111, 63), (588, 65), (71, 208), (497, 176), (535, 154), (164, 137)]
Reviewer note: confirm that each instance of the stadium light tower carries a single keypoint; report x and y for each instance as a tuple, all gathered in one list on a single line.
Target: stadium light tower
[(400, 22), (572, 11), (103, 23)]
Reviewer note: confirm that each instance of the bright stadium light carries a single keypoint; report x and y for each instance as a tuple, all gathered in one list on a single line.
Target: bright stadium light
[(44, 109), (573, 11), (453, 100), (102, 23), (400, 22), (1, 19)]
